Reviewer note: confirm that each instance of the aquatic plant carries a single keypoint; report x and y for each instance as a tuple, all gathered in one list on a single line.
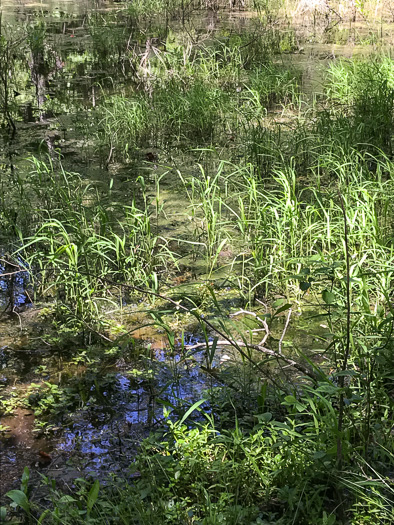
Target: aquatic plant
[(363, 92), (196, 94), (287, 450), (77, 241)]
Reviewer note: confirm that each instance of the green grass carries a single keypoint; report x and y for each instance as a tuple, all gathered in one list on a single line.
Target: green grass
[(279, 197), (194, 95), (80, 248), (363, 93), (280, 466)]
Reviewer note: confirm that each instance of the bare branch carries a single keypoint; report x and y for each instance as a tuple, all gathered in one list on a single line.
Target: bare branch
[(262, 349), (284, 331)]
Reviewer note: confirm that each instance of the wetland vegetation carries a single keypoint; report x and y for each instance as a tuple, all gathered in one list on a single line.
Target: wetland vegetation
[(197, 262)]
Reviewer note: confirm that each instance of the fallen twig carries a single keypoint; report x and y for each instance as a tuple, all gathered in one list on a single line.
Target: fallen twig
[(260, 319), (259, 348), (284, 331)]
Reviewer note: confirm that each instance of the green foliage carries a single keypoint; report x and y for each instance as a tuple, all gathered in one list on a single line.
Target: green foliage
[(126, 122), (190, 93), (79, 239), (270, 85), (278, 469), (36, 34), (277, 196), (152, 8), (284, 224), (364, 91)]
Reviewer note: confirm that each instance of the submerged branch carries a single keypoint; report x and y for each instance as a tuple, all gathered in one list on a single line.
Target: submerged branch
[(225, 339), (284, 331), (264, 350)]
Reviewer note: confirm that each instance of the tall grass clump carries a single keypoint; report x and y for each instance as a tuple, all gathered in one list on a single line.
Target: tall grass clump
[(146, 9), (80, 248), (265, 88), (173, 114), (363, 93), (211, 227), (194, 113), (276, 84), (355, 113), (224, 60), (126, 123), (278, 224), (196, 94)]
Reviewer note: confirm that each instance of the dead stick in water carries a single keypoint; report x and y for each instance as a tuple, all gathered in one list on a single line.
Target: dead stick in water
[(284, 331)]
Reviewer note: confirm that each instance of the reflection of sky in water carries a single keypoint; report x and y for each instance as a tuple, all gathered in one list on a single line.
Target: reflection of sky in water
[(20, 282), (8, 457), (103, 441), (182, 381)]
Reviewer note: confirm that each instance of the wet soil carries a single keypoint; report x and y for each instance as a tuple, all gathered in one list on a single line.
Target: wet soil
[(20, 448)]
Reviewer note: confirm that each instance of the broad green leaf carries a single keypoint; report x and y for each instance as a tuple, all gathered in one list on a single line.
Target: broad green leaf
[(92, 496), (278, 303), (25, 478), (282, 309), (66, 499), (279, 424), (20, 498), (328, 297), (213, 295), (43, 516), (350, 373), (327, 388), (145, 492), (267, 416), (211, 351), (166, 403), (191, 409), (304, 286)]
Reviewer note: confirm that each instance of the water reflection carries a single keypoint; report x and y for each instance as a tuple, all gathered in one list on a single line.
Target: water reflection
[(22, 9), (14, 284)]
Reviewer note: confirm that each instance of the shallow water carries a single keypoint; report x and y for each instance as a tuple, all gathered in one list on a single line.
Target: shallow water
[(118, 406), (103, 430)]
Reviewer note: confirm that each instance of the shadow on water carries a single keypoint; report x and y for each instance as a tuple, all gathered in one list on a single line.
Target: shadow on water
[(97, 417)]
